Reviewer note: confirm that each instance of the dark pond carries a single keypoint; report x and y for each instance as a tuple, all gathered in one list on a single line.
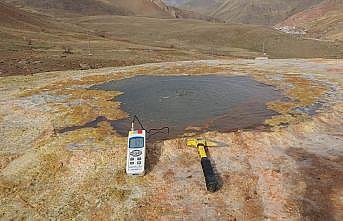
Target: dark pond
[(211, 102)]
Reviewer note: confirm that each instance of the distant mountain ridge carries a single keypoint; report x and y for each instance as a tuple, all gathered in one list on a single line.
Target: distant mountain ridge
[(146, 8), (262, 12), (150, 8)]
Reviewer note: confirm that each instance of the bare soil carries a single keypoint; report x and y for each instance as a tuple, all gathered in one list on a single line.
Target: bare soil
[(291, 172), (32, 43)]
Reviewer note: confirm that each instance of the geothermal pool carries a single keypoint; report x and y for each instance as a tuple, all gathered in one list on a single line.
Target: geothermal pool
[(193, 103)]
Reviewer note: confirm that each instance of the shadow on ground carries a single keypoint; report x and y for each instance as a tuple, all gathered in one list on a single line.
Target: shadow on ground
[(323, 177)]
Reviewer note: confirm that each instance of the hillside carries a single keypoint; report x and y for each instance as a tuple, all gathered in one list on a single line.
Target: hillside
[(324, 20), (262, 12), (151, 8), (201, 6), (31, 42), (175, 2), (235, 40), (13, 17), (248, 117)]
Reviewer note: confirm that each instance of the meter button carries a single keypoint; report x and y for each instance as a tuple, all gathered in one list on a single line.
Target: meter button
[(139, 158), (132, 159), (136, 153), (139, 162), (131, 163)]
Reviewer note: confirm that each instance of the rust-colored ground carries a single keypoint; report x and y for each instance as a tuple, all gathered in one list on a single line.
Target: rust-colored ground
[(291, 172)]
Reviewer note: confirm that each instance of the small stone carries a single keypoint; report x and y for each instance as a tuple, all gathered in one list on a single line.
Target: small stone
[(84, 66)]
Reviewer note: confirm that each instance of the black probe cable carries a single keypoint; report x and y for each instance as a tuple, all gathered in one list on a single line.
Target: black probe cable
[(157, 130)]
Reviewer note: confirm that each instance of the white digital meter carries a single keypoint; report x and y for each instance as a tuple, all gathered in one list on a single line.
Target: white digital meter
[(135, 161)]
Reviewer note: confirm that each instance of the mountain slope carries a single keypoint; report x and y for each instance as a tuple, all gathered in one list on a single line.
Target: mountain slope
[(202, 6), (175, 2), (262, 12), (151, 8), (32, 43), (324, 20), (208, 38), (13, 17)]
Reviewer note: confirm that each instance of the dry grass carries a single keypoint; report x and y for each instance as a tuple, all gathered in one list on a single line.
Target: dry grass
[(302, 92), (123, 40)]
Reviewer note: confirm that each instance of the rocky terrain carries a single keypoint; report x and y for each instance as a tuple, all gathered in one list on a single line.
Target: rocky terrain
[(292, 171)]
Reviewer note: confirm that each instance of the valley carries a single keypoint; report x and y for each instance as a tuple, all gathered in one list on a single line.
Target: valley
[(37, 42), (261, 81)]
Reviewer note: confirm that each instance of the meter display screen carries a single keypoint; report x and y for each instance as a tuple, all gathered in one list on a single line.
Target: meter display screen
[(136, 142)]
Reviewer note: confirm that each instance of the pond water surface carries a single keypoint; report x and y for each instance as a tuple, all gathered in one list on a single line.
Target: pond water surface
[(193, 103)]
